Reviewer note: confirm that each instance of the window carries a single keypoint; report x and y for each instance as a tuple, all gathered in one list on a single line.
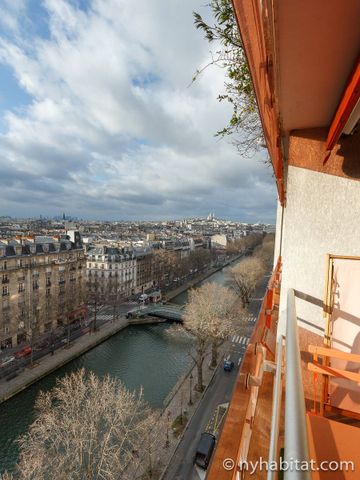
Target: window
[(5, 279), (21, 287), (48, 292), (35, 284), (5, 291)]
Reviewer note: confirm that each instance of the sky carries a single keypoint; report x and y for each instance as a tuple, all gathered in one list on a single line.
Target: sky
[(99, 119)]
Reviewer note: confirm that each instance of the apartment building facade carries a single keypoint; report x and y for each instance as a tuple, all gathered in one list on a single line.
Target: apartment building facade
[(145, 269), (112, 264), (42, 287)]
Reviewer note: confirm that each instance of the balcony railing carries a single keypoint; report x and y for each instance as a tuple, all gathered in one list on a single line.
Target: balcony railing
[(50, 262), (296, 449)]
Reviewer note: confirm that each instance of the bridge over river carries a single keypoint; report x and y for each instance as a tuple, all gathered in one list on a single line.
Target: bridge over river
[(166, 311)]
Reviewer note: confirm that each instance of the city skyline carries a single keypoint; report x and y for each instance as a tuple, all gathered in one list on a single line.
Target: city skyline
[(120, 134), (70, 218)]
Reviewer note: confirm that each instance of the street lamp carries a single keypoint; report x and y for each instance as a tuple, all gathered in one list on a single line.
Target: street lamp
[(190, 397), (33, 324), (181, 408), (167, 444)]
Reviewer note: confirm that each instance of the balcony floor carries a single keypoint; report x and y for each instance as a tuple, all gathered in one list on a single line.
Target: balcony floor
[(332, 441)]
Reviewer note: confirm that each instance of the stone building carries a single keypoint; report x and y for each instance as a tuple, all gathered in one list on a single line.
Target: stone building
[(42, 286), (106, 263), (145, 269)]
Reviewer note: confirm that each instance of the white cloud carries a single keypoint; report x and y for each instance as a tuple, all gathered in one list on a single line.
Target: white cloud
[(113, 129)]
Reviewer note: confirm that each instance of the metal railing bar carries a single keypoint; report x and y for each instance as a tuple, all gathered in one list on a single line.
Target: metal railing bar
[(276, 412), (296, 442)]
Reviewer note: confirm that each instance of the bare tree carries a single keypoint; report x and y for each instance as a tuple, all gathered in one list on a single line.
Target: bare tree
[(165, 262), (200, 258), (207, 317), (66, 304), (114, 295), (95, 296), (222, 301), (85, 428), (245, 276), (265, 251)]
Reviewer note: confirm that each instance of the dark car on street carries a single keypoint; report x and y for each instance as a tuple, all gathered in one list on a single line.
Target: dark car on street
[(204, 450), (228, 365)]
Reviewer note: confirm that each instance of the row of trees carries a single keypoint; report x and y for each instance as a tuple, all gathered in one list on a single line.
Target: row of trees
[(172, 265), (214, 311)]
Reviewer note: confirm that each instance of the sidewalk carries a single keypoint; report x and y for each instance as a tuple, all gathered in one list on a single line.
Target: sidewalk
[(48, 363)]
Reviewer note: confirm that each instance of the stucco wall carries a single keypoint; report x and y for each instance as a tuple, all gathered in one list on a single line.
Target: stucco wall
[(322, 215)]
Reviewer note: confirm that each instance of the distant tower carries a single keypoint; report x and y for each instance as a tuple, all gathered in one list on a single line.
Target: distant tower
[(64, 218)]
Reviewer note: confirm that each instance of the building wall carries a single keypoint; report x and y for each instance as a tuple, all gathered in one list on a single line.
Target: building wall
[(38, 291), (219, 241), (99, 266), (144, 272), (321, 216)]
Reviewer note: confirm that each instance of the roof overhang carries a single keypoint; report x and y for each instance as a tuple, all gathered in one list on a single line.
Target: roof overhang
[(300, 54), (348, 112)]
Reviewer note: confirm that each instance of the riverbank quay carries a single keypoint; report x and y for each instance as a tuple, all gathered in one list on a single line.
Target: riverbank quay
[(50, 363), (168, 296)]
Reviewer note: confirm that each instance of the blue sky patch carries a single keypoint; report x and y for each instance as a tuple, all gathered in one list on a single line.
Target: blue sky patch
[(12, 96)]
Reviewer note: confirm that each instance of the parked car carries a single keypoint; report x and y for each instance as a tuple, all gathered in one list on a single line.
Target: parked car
[(42, 345), (228, 365), (204, 450), (23, 353), (6, 360)]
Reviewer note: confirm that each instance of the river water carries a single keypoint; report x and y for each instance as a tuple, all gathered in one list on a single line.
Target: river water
[(138, 355)]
